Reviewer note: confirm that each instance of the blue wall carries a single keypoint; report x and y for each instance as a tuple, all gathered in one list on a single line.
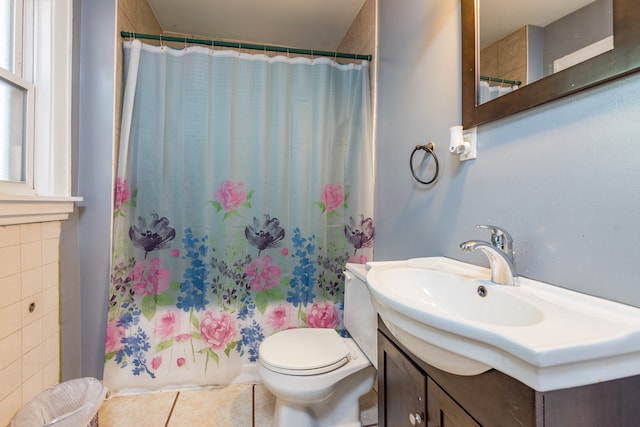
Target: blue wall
[(85, 251), (563, 178)]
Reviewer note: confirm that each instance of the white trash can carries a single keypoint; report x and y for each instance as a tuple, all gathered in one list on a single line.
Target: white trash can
[(73, 403)]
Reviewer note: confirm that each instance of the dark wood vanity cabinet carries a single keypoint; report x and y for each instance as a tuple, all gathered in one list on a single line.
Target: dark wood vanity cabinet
[(414, 393)]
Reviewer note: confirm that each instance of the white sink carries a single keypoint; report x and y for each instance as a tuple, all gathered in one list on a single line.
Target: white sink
[(545, 336)]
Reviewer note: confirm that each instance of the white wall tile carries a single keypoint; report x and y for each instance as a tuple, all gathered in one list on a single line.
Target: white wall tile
[(10, 319), (50, 301), (11, 349), (31, 282), (10, 290), (9, 235), (51, 230), (51, 324), (50, 276), (29, 340), (50, 349), (32, 362), (32, 386), (30, 255), (10, 379), (9, 261), (50, 252), (51, 373), (31, 335), (30, 232), (9, 406), (32, 309)]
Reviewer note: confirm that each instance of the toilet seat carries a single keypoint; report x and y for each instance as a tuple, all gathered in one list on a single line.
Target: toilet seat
[(304, 351)]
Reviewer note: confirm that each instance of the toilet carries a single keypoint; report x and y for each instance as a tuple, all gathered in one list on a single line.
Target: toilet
[(317, 376)]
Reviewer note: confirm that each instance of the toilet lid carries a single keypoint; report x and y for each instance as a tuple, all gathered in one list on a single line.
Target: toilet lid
[(304, 351)]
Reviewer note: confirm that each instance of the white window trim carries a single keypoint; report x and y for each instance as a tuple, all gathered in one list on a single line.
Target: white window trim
[(26, 209), (50, 199)]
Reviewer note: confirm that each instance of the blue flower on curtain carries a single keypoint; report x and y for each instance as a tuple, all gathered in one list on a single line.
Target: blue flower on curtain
[(251, 337), (303, 281), (128, 348), (267, 235), (156, 235), (193, 288)]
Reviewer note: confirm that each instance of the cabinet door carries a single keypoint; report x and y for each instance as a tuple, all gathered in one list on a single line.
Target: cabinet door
[(443, 411), (402, 388)]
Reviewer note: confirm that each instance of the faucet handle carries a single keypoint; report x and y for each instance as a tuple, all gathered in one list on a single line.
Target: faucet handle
[(500, 238)]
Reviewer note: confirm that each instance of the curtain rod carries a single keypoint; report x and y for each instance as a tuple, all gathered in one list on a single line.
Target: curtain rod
[(498, 80), (237, 45)]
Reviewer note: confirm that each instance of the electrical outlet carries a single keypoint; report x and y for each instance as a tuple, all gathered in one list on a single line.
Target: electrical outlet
[(470, 135)]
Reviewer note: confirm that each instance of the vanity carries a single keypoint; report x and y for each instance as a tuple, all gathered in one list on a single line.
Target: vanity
[(457, 349), (412, 390)]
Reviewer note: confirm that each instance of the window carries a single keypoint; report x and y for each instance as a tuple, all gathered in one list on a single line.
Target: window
[(16, 97), (35, 110)]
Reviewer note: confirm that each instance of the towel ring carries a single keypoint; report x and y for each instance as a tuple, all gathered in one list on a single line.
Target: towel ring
[(429, 148)]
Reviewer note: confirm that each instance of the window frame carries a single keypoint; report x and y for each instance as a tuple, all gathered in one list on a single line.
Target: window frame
[(26, 186), (47, 62)]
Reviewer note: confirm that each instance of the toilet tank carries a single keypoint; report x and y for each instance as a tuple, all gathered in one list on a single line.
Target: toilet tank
[(360, 317)]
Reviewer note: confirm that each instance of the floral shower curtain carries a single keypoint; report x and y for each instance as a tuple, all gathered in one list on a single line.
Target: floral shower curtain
[(244, 185)]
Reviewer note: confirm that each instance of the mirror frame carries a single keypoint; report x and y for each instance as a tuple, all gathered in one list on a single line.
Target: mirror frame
[(622, 60)]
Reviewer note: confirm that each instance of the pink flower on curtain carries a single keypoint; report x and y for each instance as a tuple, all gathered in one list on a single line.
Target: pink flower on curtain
[(115, 334), (322, 315), (183, 337), (358, 259), (264, 275), (181, 361), (217, 329), (165, 325), (149, 278), (332, 197), (278, 317), (156, 362), (122, 192), (230, 195)]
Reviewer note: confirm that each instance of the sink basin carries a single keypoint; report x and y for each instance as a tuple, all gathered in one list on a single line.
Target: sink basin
[(458, 296), (449, 314)]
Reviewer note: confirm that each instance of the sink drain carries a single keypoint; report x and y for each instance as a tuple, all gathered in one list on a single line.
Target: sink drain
[(482, 291)]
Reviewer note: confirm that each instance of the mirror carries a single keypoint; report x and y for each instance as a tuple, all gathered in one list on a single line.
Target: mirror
[(545, 84), (521, 41)]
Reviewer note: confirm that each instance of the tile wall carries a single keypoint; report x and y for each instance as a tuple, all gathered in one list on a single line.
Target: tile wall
[(507, 58), (29, 313)]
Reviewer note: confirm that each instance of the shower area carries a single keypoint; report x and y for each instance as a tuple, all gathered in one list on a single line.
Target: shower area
[(244, 183)]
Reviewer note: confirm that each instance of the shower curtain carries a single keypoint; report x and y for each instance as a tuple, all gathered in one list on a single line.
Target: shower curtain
[(244, 185)]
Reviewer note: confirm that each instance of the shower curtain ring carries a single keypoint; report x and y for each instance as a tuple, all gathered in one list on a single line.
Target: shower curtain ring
[(429, 148)]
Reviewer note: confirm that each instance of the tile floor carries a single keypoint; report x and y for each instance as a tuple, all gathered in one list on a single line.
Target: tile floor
[(236, 405)]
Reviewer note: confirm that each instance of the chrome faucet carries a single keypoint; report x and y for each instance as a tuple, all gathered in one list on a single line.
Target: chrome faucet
[(501, 239), (499, 252)]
